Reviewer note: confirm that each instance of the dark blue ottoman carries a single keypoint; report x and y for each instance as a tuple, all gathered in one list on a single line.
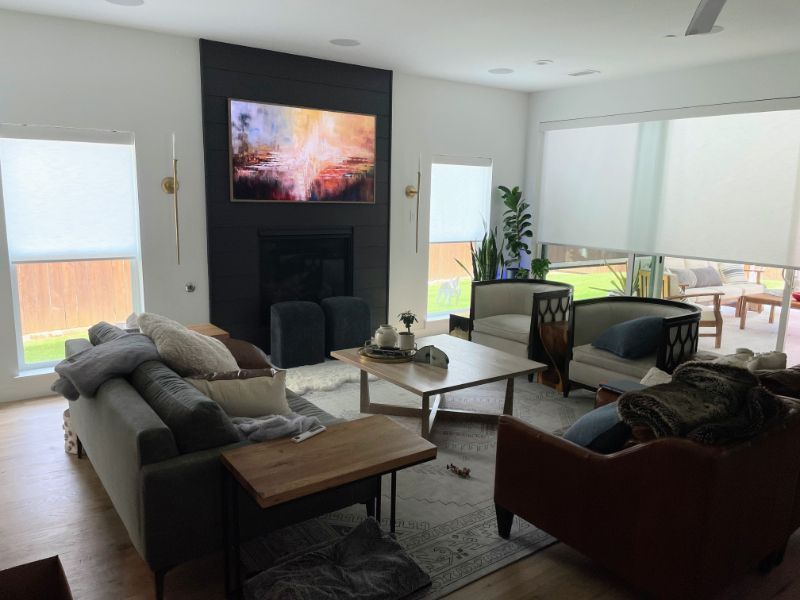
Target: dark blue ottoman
[(347, 322), (297, 334)]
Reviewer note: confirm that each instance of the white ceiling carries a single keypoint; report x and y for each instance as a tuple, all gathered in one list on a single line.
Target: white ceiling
[(461, 40)]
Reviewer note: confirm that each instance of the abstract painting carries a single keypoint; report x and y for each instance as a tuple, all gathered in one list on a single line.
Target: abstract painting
[(292, 154)]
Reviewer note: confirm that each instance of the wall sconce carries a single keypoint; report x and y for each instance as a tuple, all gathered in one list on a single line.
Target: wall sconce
[(171, 185), (413, 192)]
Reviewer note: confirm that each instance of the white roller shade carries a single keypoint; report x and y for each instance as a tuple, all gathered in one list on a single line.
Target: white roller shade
[(68, 199), (587, 186), (461, 192), (721, 187)]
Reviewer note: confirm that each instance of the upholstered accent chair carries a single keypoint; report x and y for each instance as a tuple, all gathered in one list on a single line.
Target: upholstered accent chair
[(508, 314), (672, 517), (590, 366)]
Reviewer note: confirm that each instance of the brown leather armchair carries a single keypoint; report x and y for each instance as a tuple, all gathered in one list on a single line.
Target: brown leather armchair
[(672, 517)]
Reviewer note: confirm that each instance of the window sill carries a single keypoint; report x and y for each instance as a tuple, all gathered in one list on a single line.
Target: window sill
[(34, 372)]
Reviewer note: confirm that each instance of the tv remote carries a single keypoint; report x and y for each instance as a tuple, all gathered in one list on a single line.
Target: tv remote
[(301, 437)]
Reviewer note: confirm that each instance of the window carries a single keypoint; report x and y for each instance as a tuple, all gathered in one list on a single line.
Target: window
[(72, 226), (461, 190), (592, 273)]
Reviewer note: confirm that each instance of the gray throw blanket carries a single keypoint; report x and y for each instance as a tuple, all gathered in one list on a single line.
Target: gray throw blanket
[(707, 402), (84, 372), (367, 564), (261, 429)]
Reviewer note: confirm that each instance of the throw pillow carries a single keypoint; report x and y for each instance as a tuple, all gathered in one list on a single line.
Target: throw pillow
[(707, 277), (246, 393), (632, 339), (767, 361), (247, 355), (732, 273), (686, 277), (600, 430), (185, 351)]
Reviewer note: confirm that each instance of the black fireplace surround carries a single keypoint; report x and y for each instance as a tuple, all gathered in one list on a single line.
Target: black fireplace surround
[(260, 252)]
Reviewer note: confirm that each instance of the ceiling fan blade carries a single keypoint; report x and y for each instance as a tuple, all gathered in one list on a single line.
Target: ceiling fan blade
[(705, 16)]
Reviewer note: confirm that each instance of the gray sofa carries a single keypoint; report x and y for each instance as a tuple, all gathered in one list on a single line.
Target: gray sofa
[(171, 502)]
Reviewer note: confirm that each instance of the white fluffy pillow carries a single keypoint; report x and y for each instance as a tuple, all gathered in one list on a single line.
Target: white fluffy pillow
[(183, 350), (655, 376), (245, 396)]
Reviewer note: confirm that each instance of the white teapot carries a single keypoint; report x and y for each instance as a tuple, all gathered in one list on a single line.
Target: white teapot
[(386, 337)]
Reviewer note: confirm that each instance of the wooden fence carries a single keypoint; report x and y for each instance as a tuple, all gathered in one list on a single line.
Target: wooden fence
[(76, 294), (442, 263)]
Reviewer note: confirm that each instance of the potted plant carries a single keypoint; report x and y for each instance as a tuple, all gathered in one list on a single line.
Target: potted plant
[(516, 228), (408, 318), (540, 267), (487, 258)]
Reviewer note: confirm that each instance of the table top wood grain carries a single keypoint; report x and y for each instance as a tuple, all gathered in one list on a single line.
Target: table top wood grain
[(471, 364), (281, 470)]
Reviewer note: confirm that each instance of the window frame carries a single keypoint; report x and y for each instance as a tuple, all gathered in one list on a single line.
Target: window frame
[(68, 134)]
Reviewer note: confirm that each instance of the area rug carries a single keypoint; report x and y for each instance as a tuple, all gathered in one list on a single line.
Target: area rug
[(446, 523), (326, 376)]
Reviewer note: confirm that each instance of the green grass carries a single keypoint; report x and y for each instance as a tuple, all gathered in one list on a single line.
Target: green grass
[(585, 285), (436, 307), (48, 349)]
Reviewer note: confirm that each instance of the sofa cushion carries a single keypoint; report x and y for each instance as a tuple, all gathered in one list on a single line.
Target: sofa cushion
[(600, 430), (196, 421), (508, 326), (602, 359), (301, 406), (102, 332), (632, 339), (184, 350), (707, 277), (246, 393), (686, 277)]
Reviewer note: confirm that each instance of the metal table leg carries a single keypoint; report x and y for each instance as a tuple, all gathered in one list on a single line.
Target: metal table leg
[(230, 535), (378, 502), (393, 502)]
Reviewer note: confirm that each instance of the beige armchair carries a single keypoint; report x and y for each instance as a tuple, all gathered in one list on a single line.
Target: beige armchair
[(590, 366)]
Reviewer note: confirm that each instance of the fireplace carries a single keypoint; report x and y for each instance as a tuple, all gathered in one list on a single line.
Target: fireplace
[(304, 265)]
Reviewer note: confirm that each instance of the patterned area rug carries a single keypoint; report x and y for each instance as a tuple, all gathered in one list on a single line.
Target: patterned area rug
[(445, 522)]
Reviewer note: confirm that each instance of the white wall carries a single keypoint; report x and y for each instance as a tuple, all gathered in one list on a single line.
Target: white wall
[(79, 74), (713, 89), (433, 117)]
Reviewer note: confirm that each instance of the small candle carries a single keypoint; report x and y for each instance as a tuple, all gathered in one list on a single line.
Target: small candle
[(173, 145)]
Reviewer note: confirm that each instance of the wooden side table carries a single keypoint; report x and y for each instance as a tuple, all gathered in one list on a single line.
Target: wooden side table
[(210, 330), (279, 472)]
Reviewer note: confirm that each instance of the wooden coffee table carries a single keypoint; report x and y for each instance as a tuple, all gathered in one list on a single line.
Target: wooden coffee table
[(470, 365), (281, 471), (770, 300)]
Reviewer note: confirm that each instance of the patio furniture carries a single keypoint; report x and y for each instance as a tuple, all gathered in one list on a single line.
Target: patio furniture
[(761, 300), (507, 314), (710, 316), (732, 290), (590, 366)]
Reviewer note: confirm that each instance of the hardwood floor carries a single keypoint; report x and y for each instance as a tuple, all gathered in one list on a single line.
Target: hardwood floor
[(53, 503)]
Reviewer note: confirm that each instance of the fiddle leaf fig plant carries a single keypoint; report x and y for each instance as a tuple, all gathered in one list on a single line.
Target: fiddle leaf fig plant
[(517, 222)]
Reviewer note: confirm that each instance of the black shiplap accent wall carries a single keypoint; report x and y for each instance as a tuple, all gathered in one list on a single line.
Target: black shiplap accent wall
[(229, 71)]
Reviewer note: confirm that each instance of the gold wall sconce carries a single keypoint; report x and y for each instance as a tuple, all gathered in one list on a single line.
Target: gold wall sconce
[(171, 185), (413, 192)]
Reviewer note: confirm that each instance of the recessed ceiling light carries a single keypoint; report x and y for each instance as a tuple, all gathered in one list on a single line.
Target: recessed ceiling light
[(345, 42), (584, 72), (543, 61), (501, 71), (126, 2)]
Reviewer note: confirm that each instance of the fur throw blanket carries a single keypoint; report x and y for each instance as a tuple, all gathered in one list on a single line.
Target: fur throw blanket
[(708, 402)]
